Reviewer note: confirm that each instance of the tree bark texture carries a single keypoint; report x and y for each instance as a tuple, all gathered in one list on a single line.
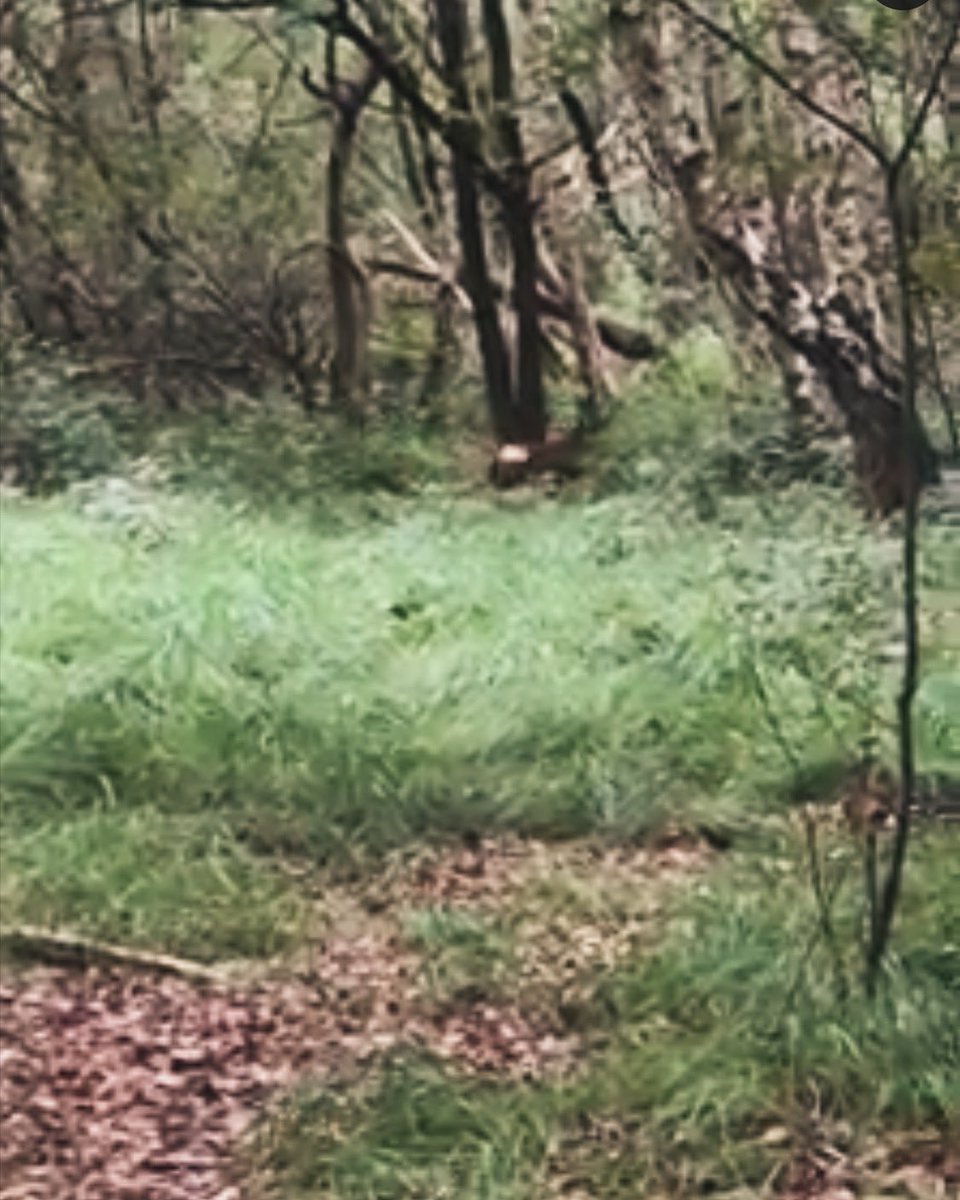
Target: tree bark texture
[(349, 375), (452, 33), (517, 208), (803, 240)]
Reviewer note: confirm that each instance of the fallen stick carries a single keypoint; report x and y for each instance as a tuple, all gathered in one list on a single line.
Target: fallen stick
[(73, 950)]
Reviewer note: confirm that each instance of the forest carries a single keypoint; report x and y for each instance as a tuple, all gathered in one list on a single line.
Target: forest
[(480, 607)]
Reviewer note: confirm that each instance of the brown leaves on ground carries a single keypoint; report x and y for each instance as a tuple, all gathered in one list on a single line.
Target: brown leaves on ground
[(574, 910), (493, 870), (910, 1167), (122, 1087), (118, 1084), (116, 1087)]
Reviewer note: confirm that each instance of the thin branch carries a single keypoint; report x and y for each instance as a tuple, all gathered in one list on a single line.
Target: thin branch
[(74, 950), (890, 892), (939, 383), (602, 190)]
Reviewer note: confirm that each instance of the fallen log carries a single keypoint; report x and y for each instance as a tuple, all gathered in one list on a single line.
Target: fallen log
[(65, 949)]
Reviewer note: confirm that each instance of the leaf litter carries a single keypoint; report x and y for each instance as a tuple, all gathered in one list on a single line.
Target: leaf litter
[(119, 1083), (126, 1084)]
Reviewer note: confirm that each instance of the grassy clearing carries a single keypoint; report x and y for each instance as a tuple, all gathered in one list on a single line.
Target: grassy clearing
[(562, 669), (557, 669), (200, 682)]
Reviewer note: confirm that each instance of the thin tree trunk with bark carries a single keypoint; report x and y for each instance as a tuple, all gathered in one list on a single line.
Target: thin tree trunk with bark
[(517, 208), (349, 379), (451, 32)]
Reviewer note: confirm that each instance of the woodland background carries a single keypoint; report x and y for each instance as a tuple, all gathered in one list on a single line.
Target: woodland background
[(479, 524)]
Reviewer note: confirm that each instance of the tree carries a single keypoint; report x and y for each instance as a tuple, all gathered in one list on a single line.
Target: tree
[(771, 153), (137, 225), (806, 300), (349, 289)]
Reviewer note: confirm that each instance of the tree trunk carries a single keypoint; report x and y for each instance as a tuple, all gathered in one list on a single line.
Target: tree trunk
[(451, 32), (518, 218), (800, 250), (349, 377)]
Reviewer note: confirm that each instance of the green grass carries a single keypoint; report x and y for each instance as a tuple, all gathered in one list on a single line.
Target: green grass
[(465, 955), (731, 1043), (557, 669), (418, 1133), (149, 879), (745, 1018)]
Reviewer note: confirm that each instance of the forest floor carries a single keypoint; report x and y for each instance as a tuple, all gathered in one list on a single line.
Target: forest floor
[(126, 1083), (484, 833), (121, 1082)]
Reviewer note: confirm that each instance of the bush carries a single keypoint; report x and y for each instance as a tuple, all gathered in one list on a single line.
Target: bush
[(692, 425), (272, 453), (56, 427)]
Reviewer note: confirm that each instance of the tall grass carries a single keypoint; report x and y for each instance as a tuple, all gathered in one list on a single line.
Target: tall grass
[(746, 1017), (151, 879), (327, 681), (558, 670)]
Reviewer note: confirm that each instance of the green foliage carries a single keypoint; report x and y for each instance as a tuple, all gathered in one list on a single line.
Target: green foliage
[(179, 192), (196, 686), (937, 263), (691, 426), (272, 455), (555, 670), (577, 33), (336, 686), (52, 431)]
